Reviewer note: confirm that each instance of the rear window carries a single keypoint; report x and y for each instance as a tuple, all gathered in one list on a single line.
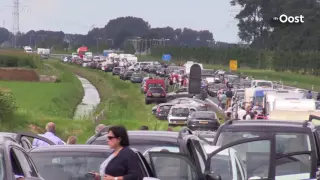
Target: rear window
[(165, 108), (180, 111), (116, 69), (156, 90), (154, 85), (198, 115), (130, 72)]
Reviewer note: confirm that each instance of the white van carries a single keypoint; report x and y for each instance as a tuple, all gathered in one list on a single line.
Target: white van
[(294, 105), (139, 65), (262, 84)]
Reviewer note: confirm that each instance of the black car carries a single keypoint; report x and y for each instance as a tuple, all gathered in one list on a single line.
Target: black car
[(126, 75), (296, 145), (136, 78), (203, 120), (109, 67), (116, 70), (163, 110), (155, 94)]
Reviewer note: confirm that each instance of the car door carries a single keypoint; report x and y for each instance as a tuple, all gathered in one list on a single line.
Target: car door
[(22, 139), (217, 167)]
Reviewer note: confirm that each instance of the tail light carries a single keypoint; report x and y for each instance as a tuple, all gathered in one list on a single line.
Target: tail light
[(163, 94), (158, 109), (149, 94)]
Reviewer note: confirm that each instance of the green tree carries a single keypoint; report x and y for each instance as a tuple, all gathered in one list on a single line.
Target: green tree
[(129, 49)]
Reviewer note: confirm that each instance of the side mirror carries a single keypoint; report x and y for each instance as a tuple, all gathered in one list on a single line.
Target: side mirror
[(213, 176)]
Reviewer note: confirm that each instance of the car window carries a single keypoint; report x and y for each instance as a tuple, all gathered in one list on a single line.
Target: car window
[(156, 90), (25, 163), (173, 149), (68, 165), (222, 165), (165, 108), (298, 165), (204, 116), (180, 111)]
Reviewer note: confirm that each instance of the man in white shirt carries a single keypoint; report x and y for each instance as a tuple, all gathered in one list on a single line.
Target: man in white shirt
[(50, 134)]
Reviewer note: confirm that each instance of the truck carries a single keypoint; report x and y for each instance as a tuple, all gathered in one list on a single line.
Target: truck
[(44, 53)]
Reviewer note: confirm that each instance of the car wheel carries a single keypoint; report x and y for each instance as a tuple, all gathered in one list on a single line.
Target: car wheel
[(147, 102)]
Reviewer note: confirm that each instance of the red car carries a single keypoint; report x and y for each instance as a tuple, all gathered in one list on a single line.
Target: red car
[(156, 94)]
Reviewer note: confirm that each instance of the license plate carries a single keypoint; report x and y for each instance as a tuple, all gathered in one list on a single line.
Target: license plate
[(156, 94), (180, 122), (203, 122)]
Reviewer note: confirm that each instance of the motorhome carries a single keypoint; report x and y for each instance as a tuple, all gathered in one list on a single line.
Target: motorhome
[(187, 66), (262, 83), (27, 49), (271, 96)]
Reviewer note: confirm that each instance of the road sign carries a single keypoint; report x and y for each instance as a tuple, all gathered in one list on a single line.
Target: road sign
[(195, 79), (233, 65), (166, 57)]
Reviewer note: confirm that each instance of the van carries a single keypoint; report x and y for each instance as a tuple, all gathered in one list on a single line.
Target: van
[(294, 105), (140, 65), (262, 84), (153, 83)]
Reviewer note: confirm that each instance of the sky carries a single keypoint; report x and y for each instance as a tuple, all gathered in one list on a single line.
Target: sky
[(79, 16)]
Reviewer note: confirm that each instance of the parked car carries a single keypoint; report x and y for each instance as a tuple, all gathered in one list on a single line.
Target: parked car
[(116, 70), (126, 75), (203, 120), (163, 110), (179, 113), (155, 94), (136, 78), (182, 92)]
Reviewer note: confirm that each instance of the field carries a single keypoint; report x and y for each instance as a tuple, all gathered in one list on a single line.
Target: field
[(41, 102), (288, 78), (122, 101)]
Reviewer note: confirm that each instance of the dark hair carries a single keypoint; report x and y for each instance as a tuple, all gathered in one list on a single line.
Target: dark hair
[(121, 133)]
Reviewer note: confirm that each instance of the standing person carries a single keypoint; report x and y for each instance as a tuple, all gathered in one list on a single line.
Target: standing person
[(50, 134), (229, 95), (123, 163), (309, 95), (72, 140), (318, 96), (223, 99)]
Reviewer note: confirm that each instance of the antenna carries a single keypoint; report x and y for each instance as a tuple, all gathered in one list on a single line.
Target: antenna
[(16, 19)]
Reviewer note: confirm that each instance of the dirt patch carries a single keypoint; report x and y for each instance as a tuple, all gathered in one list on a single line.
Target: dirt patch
[(46, 78), (35, 129), (18, 74)]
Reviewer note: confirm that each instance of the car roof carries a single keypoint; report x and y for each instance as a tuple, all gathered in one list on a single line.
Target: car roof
[(166, 104), (182, 106), (72, 148), (150, 135), (265, 123)]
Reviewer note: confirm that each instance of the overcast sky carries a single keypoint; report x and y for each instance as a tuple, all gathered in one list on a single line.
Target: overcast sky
[(78, 16)]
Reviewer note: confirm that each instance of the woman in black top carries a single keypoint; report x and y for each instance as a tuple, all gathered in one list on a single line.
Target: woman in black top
[(125, 164)]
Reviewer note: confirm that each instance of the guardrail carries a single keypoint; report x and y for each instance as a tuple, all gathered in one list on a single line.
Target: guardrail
[(216, 108)]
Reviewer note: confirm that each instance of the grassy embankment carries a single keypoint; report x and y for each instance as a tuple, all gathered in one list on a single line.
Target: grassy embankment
[(122, 101), (288, 78), (40, 102)]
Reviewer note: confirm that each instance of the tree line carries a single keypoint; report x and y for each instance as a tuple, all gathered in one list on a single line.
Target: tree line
[(114, 35), (272, 45)]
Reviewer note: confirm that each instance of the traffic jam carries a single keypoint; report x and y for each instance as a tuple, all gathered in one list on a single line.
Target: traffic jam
[(270, 130)]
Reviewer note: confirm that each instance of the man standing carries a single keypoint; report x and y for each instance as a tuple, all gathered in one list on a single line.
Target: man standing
[(229, 95), (50, 134)]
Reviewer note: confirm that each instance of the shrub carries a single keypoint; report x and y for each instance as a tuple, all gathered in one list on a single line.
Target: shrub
[(19, 59), (7, 104)]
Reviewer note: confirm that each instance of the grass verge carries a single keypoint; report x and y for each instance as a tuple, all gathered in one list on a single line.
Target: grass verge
[(122, 101), (41, 102)]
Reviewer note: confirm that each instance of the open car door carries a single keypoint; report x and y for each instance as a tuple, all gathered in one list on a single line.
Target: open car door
[(23, 139)]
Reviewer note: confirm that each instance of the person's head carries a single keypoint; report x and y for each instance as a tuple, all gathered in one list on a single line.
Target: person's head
[(51, 127), (72, 140), (144, 128), (228, 114), (257, 103), (169, 129), (101, 127), (118, 137)]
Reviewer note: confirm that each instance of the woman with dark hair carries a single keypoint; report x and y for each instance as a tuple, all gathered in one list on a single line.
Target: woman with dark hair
[(123, 164)]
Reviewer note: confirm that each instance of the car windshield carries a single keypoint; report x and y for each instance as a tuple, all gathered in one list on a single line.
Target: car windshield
[(165, 108), (136, 75), (129, 72), (180, 112), (204, 116), (285, 143), (207, 72), (68, 165), (116, 69), (264, 84), (154, 85)]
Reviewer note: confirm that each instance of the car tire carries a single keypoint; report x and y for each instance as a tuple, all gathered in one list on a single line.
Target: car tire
[(147, 102)]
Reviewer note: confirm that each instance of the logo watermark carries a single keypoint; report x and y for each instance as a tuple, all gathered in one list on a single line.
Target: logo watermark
[(285, 19)]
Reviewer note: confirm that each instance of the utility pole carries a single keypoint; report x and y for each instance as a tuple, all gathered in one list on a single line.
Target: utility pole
[(16, 21)]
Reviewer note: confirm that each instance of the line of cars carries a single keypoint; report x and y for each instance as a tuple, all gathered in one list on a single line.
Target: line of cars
[(251, 149)]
